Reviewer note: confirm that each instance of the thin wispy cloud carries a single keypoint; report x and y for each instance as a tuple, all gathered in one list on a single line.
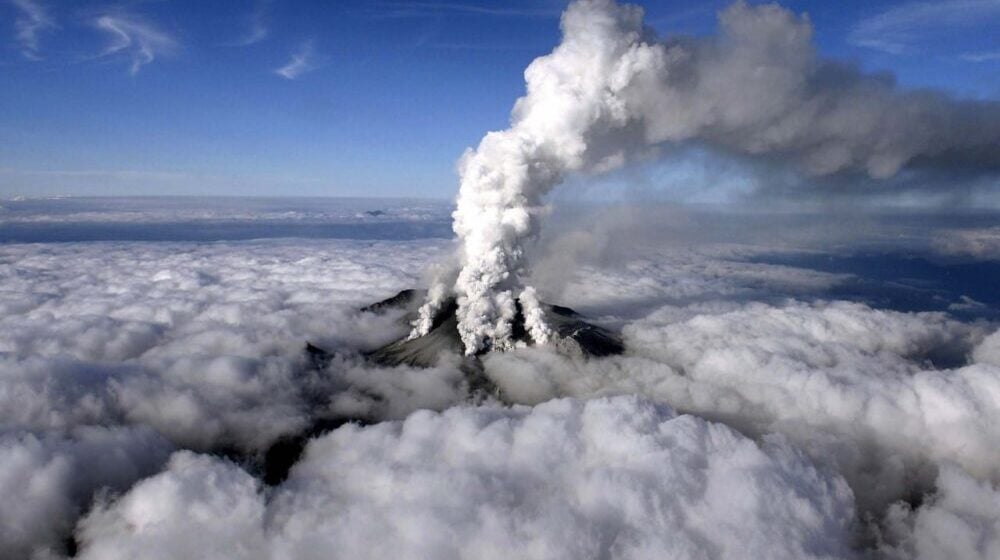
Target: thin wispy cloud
[(140, 40), (980, 56), (256, 25), (32, 20), (302, 61), (901, 29)]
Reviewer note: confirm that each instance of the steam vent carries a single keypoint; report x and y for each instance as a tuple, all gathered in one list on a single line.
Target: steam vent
[(574, 336)]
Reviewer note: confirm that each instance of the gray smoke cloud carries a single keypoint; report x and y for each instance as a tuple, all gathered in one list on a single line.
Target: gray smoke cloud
[(612, 92)]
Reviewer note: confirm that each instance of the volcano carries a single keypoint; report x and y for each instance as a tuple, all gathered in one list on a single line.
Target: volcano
[(574, 335)]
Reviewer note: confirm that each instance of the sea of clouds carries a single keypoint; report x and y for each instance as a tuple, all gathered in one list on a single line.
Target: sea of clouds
[(763, 408)]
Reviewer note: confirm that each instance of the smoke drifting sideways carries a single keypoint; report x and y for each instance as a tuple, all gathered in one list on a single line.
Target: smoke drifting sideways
[(611, 92)]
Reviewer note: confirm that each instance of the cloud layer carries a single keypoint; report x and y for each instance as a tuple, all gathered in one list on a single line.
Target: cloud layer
[(618, 477), (204, 344), (961, 521), (48, 480), (143, 385), (808, 427), (853, 386)]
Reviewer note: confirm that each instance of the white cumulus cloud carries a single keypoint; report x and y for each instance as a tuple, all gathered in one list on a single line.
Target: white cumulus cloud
[(607, 478), (855, 387), (48, 480), (204, 343), (961, 521)]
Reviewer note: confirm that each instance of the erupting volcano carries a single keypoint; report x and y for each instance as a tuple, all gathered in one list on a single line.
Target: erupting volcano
[(569, 333), (612, 92), (786, 268)]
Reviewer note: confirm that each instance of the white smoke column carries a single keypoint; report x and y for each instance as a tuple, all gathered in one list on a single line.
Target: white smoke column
[(611, 92), (437, 295), (534, 317), (571, 92)]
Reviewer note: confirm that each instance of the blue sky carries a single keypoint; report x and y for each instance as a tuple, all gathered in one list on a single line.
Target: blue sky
[(349, 98)]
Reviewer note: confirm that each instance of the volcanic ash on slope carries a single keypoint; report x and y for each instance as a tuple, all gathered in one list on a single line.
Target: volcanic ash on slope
[(572, 335)]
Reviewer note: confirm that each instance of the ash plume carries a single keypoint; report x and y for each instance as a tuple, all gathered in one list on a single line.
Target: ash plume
[(612, 92)]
